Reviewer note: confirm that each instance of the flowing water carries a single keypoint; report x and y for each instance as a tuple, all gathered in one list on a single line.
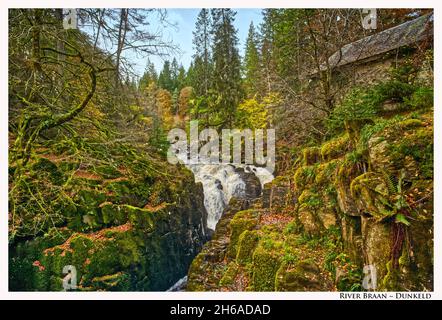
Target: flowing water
[(220, 183)]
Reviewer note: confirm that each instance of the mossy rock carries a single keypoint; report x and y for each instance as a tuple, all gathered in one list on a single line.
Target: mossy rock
[(309, 220), (141, 218), (311, 198), (325, 172), (266, 261), (113, 214), (160, 193), (302, 275), (410, 123), (346, 173), (371, 195), (144, 219), (246, 245), (405, 144), (316, 211), (108, 172), (304, 176), (242, 221), (352, 237), (229, 276), (120, 191), (119, 281), (377, 247), (277, 194), (335, 148), (89, 199), (328, 216), (44, 167), (310, 156), (353, 129)]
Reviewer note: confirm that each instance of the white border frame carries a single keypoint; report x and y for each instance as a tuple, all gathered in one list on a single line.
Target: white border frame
[(5, 4)]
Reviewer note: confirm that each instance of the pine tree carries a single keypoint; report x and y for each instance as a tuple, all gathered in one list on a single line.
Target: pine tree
[(266, 50), (149, 75), (251, 63), (190, 79), (174, 70), (165, 79), (181, 78), (287, 38), (227, 67), (202, 65)]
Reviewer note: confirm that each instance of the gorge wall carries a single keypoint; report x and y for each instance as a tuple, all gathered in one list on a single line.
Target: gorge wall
[(137, 233), (361, 199)]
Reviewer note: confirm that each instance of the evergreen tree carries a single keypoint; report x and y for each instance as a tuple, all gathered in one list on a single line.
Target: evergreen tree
[(251, 63), (165, 79), (181, 78), (174, 70), (149, 75), (266, 50), (202, 65), (227, 67), (190, 76)]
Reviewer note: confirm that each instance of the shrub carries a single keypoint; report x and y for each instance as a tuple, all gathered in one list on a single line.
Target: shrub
[(421, 98), (360, 104)]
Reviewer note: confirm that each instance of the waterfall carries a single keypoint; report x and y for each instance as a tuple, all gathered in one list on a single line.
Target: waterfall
[(221, 182)]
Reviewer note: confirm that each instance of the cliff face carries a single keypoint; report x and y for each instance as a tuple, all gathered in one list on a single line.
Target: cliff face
[(121, 231), (361, 201)]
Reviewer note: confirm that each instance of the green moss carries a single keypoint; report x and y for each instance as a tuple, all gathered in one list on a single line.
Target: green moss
[(196, 268), (335, 148), (293, 227), (410, 124), (229, 276), (108, 172), (371, 194), (418, 145), (391, 280), (89, 199), (325, 172), (141, 218), (310, 156), (120, 191), (242, 221), (119, 281), (113, 214), (266, 260), (302, 275), (246, 245), (346, 172), (310, 198), (129, 249), (46, 168), (304, 176)]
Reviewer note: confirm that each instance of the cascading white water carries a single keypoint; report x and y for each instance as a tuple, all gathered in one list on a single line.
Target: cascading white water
[(220, 183)]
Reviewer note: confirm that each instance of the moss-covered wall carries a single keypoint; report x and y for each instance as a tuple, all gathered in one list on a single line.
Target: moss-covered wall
[(347, 205), (137, 234)]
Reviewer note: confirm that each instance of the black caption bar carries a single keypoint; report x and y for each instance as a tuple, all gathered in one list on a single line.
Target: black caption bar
[(199, 309)]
